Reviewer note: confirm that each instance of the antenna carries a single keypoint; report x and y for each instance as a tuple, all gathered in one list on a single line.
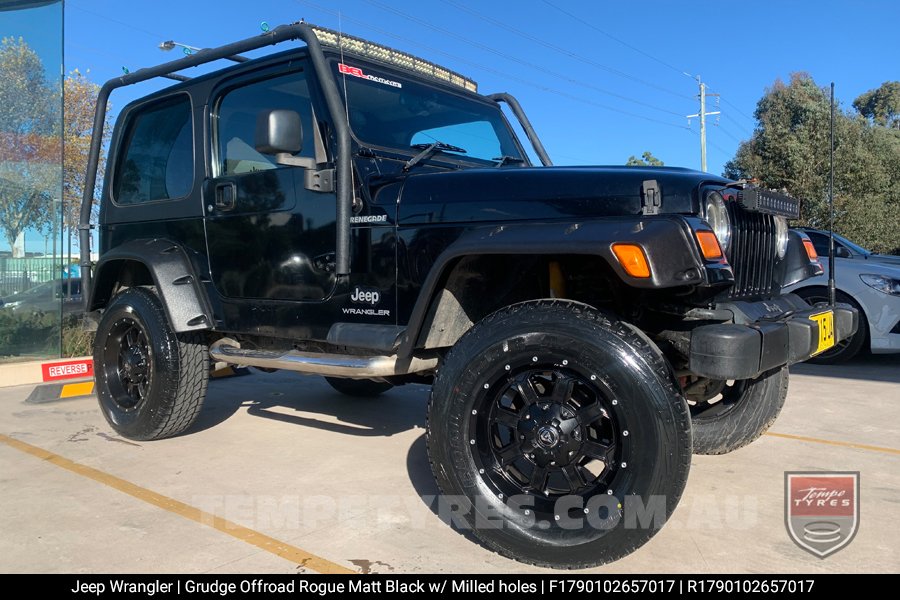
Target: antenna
[(831, 293)]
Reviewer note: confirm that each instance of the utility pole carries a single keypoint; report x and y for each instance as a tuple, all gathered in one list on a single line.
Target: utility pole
[(703, 114)]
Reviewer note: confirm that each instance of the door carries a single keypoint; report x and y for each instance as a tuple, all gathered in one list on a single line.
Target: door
[(268, 237)]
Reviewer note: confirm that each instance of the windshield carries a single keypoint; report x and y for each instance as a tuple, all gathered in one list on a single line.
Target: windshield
[(856, 248), (390, 110)]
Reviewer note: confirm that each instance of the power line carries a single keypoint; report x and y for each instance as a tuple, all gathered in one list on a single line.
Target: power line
[(112, 20), (563, 51), (739, 111), (515, 59), (615, 39), (737, 124), (729, 134), (482, 67), (639, 51)]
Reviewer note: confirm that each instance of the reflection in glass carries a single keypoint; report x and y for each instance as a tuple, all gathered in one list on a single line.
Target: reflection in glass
[(32, 277)]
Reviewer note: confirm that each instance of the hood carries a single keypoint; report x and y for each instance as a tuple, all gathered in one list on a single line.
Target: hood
[(543, 193), (882, 259)]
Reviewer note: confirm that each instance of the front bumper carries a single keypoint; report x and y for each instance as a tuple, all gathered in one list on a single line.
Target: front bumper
[(764, 336)]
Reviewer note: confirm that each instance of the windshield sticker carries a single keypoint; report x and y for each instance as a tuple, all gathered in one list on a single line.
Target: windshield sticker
[(357, 72)]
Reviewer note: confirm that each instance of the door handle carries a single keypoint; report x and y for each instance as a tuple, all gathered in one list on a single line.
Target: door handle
[(226, 196)]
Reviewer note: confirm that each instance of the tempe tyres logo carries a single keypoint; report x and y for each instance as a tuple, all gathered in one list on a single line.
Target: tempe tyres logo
[(821, 510)]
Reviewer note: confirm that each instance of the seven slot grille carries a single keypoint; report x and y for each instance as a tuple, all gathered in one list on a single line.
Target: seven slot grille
[(752, 253)]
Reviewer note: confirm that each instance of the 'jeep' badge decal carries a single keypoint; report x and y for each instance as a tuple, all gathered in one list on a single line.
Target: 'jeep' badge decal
[(821, 510), (363, 295)]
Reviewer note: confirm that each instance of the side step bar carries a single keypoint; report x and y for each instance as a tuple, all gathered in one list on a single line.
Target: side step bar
[(333, 365)]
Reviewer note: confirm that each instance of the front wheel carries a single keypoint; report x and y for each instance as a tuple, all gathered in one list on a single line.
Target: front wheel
[(727, 415), (151, 381), (558, 435)]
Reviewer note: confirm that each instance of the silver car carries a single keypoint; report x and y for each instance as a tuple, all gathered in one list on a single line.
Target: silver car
[(868, 281)]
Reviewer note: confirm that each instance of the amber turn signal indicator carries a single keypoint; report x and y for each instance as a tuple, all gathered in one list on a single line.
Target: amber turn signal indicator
[(709, 245), (632, 259), (810, 250)]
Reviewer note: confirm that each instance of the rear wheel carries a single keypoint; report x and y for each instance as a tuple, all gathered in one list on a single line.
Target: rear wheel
[(845, 349), (727, 415), (359, 388), (151, 381), (548, 424)]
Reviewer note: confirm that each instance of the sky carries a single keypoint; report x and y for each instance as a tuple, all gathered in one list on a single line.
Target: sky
[(600, 80)]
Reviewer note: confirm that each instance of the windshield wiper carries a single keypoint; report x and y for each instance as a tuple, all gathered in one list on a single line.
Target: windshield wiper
[(504, 160), (429, 149)]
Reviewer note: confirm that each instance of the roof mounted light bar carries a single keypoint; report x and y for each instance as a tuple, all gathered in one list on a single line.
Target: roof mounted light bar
[(366, 49)]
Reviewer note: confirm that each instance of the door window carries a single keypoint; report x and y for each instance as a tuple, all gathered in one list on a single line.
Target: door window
[(158, 158), (237, 117)]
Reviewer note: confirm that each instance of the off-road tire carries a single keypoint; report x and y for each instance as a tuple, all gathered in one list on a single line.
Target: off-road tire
[(596, 356), (359, 388), (160, 392), (748, 408)]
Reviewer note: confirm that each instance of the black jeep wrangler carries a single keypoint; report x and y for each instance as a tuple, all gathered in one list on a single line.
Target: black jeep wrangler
[(348, 210)]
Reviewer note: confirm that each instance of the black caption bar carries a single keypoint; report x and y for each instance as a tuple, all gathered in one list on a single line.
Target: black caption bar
[(518, 586)]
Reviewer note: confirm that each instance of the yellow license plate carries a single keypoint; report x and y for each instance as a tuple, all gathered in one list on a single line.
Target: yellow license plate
[(825, 320)]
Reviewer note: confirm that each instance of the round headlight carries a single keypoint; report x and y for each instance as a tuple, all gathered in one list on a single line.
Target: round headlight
[(781, 236), (717, 217)]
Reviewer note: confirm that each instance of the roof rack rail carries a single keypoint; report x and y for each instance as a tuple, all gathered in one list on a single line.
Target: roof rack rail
[(283, 33)]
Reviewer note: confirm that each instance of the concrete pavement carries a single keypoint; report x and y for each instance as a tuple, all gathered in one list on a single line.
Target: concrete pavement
[(347, 481)]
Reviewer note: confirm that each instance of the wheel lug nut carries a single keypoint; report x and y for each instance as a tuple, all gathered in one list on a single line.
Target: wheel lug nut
[(472, 442), (527, 512), (556, 517), (552, 463), (487, 385), (609, 492), (534, 359), (474, 412), (625, 433), (586, 511), (593, 378), (506, 367), (624, 465), (481, 471), (565, 362), (615, 402)]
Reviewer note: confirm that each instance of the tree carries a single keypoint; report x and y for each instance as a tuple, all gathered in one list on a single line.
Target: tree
[(647, 160), (881, 105), (789, 150), (28, 148), (78, 126)]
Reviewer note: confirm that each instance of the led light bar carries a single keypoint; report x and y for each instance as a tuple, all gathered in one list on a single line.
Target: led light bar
[(385, 54), (766, 201)]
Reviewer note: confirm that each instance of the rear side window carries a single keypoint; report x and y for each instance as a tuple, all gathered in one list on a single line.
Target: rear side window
[(157, 160)]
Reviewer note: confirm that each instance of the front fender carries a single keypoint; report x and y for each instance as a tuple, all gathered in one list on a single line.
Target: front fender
[(172, 274), (667, 240)]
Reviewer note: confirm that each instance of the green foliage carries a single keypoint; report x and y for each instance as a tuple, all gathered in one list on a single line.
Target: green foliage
[(28, 333), (789, 151), (881, 105), (647, 160), (76, 340)]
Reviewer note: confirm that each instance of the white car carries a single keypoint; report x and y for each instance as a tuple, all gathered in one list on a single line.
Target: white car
[(868, 281)]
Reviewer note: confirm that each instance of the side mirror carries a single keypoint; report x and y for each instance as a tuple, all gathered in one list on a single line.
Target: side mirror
[(842, 252), (278, 132)]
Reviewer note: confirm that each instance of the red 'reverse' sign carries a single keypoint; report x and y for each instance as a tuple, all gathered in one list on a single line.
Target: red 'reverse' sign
[(68, 370)]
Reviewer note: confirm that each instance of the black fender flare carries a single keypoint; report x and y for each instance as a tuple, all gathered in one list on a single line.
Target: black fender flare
[(667, 240), (173, 275)]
